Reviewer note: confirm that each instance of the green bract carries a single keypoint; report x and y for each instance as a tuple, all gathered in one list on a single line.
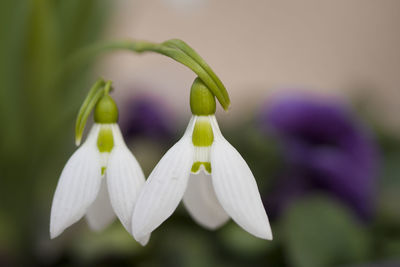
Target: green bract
[(202, 101), (199, 66), (91, 99), (106, 110)]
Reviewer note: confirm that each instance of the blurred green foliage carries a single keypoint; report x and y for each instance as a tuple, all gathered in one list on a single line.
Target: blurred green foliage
[(319, 232), (38, 103), (39, 99)]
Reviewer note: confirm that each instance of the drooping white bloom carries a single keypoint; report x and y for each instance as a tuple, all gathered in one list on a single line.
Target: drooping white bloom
[(101, 179), (211, 177)]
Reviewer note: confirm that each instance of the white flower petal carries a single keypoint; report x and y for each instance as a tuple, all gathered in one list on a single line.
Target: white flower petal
[(201, 202), (164, 189), (125, 179), (100, 214), (117, 136), (144, 240), (236, 188), (77, 187)]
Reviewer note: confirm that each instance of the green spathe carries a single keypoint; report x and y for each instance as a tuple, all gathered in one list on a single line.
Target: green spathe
[(95, 93), (202, 100), (106, 110)]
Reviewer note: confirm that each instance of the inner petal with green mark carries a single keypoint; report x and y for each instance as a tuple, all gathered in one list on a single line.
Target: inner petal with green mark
[(202, 132), (105, 140), (202, 139), (198, 166), (105, 143)]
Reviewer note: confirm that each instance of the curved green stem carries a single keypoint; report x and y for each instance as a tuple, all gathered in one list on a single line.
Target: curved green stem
[(107, 87), (193, 54), (175, 49)]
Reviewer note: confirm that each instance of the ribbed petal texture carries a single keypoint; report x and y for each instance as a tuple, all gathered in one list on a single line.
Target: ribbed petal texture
[(164, 189), (236, 188), (125, 180), (76, 190)]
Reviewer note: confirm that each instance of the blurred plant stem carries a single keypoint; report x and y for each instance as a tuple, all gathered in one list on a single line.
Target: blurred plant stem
[(37, 37)]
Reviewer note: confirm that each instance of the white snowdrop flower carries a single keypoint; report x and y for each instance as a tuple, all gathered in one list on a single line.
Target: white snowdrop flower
[(101, 179), (208, 173)]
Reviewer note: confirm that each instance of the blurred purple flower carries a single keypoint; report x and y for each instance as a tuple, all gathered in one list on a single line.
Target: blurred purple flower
[(324, 148), (146, 116)]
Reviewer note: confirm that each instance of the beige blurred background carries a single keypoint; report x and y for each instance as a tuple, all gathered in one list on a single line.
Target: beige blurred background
[(348, 48)]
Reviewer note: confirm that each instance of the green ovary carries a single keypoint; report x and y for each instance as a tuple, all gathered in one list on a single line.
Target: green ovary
[(105, 140), (106, 111), (202, 100), (196, 166)]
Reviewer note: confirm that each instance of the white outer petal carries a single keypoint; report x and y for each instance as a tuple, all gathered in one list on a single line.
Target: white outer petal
[(201, 202), (100, 214), (144, 240), (78, 185), (236, 187), (125, 179), (165, 187)]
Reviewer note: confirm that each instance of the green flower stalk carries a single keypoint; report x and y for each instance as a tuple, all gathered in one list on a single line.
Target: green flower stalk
[(175, 49)]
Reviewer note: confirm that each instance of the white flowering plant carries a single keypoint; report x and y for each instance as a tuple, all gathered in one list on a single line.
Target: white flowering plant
[(102, 179)]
